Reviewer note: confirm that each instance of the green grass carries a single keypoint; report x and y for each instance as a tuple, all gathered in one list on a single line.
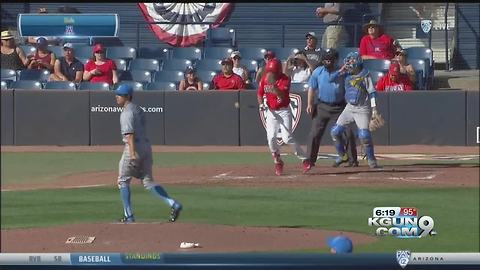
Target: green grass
[(455, 210)]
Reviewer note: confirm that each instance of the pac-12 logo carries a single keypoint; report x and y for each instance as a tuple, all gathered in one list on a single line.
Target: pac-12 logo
[(401, 222), (296, 110)]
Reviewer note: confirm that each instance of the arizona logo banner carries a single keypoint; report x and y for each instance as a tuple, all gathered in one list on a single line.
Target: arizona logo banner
[(172, 19)]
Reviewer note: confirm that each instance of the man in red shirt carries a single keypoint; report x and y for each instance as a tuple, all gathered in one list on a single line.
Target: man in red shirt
[(376, 44), (394, 81), (275, 86), (227, 80)]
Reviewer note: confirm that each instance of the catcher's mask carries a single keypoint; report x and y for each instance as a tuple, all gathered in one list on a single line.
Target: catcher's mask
[(353, 60)]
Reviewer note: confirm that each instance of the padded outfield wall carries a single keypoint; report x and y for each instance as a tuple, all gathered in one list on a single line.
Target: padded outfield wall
[(32, 117)]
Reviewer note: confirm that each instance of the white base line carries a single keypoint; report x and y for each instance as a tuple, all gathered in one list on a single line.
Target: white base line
[(69, 187)]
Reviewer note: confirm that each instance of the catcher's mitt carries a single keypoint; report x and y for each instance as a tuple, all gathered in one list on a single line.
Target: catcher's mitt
[(376, 122)]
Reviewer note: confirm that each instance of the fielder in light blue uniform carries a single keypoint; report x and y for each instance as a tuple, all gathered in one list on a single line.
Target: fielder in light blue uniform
[(359, 90), (137, 158)]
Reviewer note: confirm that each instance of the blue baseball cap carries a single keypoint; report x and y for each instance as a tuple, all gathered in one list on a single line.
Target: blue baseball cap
[(124, 90), (341, 244)]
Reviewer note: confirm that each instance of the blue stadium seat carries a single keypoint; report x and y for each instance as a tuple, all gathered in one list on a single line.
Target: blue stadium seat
[(343, 51), (34, 74), (376, 75), (57, 50), (176, 64), (138, 75), (169, 76), (420, 66), (126, 53), (283, 53), (9, 74), (28, 49), (218, 52), (83, 60), (144, 64), (220, 36), (163, 86), (26, 85), (252, 67), (298, 87), (190, 53), (6, 84), (376, 64), (420, 53), (206, 76), (208, 64), (121, 64), (137, 86), (153, 51), (60, 86), (80, 41), (83, 51), (252, 53), (107, 41), (93, 86)]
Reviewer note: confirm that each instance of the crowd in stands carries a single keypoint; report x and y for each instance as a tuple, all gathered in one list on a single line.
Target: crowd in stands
[(196, 70)]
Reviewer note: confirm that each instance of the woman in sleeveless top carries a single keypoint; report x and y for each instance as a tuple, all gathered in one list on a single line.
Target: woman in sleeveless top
[(43, 58), (13, 57), (191, 81)]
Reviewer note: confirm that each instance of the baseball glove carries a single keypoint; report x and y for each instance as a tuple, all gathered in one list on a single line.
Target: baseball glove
[(376, 122)]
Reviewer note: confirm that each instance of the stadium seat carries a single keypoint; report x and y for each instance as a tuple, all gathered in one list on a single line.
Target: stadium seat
[(298, 87), (176, 64), (208, 64), (57, 50), (60, 86), (153, 51), (6, 84), (26, 85), (83, 60), (108, 41), (420, 53), (137, 86), (164, 86), (28, 49), (190, 53), (206, 76), (283, 53), (9, 74), (121, 64), (138, 75), (34, 74), (206, 85), (252, 53), (83, 51), (126, 53), (376, 75), (420, 65), (80, 41), (145, 64), (220, 36), (218, 52), (376, 64), (168, 76), (93, 86), (343, 51), (252, 67)]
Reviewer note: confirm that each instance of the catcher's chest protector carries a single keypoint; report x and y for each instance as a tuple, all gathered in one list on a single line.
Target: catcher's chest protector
[(356, 89)]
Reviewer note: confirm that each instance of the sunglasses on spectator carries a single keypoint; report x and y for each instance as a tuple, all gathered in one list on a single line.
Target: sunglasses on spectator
[(100, 52), (236, 58)]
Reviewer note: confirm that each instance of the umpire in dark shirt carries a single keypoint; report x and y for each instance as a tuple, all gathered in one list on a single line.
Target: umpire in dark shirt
[(325, 103)]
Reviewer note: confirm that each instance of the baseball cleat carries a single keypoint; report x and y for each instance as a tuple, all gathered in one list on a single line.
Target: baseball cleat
[(175, 211), (352, 164), (340, 160), (307, 165), (279, 168), (127, 220), (372, 163)]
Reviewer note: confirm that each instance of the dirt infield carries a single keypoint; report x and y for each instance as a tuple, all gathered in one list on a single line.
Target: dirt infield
[(166, 237)]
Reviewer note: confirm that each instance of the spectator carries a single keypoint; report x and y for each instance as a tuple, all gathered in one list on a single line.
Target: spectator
[(99, 68), (332, 15), (298, 69), (68, 67), (51, 40), (227, 80), (268, 55), (314, 54), (376, 44), (238, 68), (13, 57), (191, 82), (394, 81), (405, 68), (43, 58)]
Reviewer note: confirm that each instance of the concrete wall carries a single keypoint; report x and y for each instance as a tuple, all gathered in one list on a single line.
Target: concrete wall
[(222, 118)]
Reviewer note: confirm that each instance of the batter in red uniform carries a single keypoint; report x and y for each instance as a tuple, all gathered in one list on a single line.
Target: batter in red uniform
[(275, 86)]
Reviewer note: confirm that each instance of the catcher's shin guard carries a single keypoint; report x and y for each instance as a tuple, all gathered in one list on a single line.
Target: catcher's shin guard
[(336, 133), (366, 139)]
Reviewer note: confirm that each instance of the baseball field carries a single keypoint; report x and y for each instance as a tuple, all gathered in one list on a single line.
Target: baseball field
[(232, 200)]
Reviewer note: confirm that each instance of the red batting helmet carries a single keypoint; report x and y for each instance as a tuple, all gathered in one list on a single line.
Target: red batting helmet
[(274, 65)]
